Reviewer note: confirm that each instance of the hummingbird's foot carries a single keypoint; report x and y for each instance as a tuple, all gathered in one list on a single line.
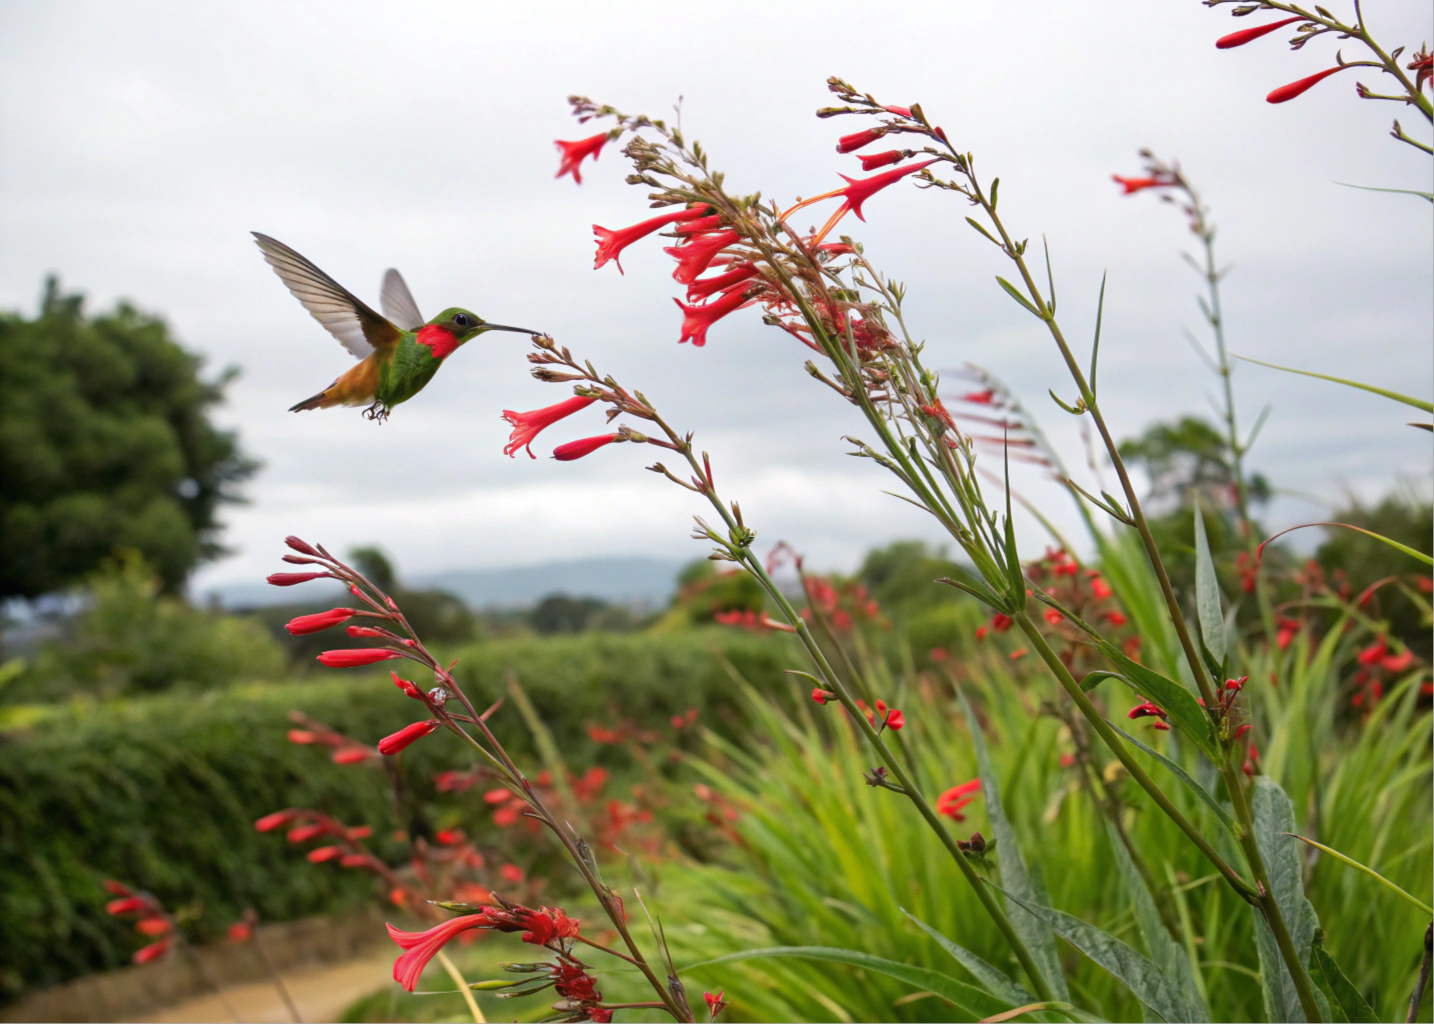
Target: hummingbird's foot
[(377, 412)]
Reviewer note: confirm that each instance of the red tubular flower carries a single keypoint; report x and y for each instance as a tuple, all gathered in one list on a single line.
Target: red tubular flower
[(1053, 617), (349, 755), (696, 254), (859, 190), (892, 717), (586, 446), (422, 947), (154, 927), (359, 832), (1160, 725), (528, 425), (856, 140), (1001, 622), (1372, 654), (822, 696), (304, 833), (1285, 93), (128, 905), (450, 836), (1137, 184), (697, 319), (278, 819), (575, 152), (1146, 710), (1019, 653), (539, 927), (715, 1004), (303, 737), (898, 111), (1236, 684), (117, 888), (706, 287), (241, 931), (701, 225), (357, 657), (512, 873), (301, 546), (152, 951), (1115, 618), (875, 160), (392, 744), (611, 243), (1249, 35), (1397, 662), (288, 579), (408, 688), (319, 854), (1242, 730), (305, 624), (950, 802)]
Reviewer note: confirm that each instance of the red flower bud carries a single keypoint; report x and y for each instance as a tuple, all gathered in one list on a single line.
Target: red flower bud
[(288, 579), (304, 833), (153, 927), (128, 905), (323, 853), (854, 141), (577, 449), (1285, 93), (875, 160), (822, 696), (408, 688), (349, 755), (1249, 35), (898, 111), (392, 744), (152, 951), (301, 547), (357, 658), (306, 624), (269, 822)]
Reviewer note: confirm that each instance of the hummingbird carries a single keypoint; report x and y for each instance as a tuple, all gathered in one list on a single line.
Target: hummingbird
[(400, 350)]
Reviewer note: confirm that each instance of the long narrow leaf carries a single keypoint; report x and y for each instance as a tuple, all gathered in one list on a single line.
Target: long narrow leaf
[(1367, 870), (1185, 777), (1146, 981), (967, 998), (1164, 950), (1013, 293), (1037, 937), (1345, 1001), (1207, 594), (1417, 403), (1358, 529), (991, 978)]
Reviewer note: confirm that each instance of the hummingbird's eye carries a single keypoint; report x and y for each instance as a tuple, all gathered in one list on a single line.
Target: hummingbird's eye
[(461, 319)]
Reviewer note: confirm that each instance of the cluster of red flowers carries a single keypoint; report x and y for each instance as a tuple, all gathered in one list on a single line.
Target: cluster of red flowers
[(750, 620), (352, 751), (1285, 92), (343, 844), (1153, 711), (548, 926), (1378, 661), (152, 920), (843, 605), (346, 749)]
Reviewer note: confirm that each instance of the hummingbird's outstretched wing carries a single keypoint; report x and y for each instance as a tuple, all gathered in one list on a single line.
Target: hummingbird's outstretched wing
[(397, 303), (358, 328)]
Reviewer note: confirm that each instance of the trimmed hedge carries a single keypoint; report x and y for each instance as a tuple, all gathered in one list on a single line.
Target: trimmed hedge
[(162, 792)]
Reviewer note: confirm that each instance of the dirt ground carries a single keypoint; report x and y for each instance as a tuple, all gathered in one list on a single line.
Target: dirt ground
[(321, 991)]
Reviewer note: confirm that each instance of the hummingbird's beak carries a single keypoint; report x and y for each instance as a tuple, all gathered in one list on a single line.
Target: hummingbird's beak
[(515, 330)]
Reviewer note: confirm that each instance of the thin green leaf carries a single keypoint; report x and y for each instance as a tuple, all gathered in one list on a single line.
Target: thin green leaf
[(1255, 430), (995, 187), (1274, 817), (1177, 701), (1367, 870), (972, 584), (989, 237), (993, 980), (1095, 345), (1207, 595), (1036, 935), (1094, 679), (1013, 293), (1050, 277), (1163, 949), (1013, 558), (1358, 529), (1346, 1002), (1146, 981), (1185, 777), (967, 998), (1400, 191), (1417, 403)]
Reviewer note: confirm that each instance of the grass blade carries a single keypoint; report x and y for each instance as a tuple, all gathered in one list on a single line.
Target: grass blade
[(1362, 867), (1417, 403)]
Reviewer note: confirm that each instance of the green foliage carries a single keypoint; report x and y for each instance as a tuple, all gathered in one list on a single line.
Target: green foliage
[(902, 578), (131, 638), (827, 860), (162, 791), (1187, 458), (559, 613), (106, 443), (703, 590)]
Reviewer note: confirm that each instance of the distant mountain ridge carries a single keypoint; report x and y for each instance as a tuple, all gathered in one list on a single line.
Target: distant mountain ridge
[(645, 582)]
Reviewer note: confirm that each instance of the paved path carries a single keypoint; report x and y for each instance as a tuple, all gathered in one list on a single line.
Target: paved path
[(322, 992)]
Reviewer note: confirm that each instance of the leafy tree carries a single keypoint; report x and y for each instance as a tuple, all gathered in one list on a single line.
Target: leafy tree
[(106, 445)]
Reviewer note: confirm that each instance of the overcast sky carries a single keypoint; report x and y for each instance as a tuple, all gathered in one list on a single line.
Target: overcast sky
[(139, 143)]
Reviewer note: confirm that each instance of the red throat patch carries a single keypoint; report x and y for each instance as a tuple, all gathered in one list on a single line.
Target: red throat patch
[(440, 341)]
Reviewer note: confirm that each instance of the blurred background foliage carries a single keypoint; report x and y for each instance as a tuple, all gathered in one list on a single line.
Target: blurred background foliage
[(106, 443)]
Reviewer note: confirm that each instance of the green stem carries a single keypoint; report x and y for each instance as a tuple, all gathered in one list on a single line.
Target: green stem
[(1117, 746)]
